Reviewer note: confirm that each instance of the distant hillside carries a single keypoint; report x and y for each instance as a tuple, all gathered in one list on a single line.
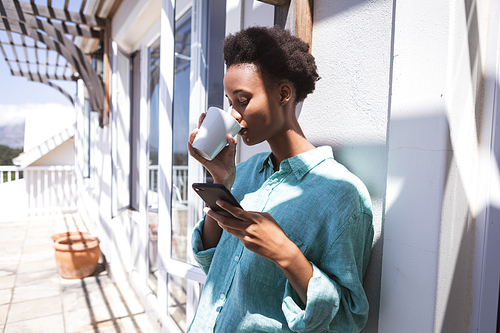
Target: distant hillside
[(7, 154), (12, 135)]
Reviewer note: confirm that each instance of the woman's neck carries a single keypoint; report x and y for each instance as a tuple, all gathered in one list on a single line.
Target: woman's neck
[(289, 144)]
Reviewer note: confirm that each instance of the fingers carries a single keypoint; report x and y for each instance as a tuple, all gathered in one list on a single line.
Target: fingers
[(232, 226), (192, 135), (236, 222), (202, 117), (237, 212)]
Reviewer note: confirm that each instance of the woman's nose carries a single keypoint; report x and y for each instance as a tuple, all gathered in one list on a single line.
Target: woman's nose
[(236, 115)]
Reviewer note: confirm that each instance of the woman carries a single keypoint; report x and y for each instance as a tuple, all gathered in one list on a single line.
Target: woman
[(295, 262)]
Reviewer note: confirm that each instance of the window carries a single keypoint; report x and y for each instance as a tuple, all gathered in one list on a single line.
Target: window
[(122, 133), (197, 83), (154, 143)]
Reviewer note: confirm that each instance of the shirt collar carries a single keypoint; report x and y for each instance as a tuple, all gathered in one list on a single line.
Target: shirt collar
[(303, 163)]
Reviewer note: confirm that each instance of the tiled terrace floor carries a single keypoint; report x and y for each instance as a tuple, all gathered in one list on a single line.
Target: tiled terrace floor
[(34, 298)]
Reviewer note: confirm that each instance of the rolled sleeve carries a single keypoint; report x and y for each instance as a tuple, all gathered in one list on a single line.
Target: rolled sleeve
[(202, 257), (323, 299)]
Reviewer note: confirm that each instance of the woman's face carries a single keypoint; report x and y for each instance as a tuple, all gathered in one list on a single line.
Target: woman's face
[(256, 105)]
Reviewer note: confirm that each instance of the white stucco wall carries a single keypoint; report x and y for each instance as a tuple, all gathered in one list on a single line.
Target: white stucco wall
[(433, 168), (349, 109)]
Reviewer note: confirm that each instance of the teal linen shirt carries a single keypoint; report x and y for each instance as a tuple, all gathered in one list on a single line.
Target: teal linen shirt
[(326, 211)]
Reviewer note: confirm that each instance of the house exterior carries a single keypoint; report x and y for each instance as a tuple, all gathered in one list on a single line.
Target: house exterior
[(42, 182), (408, 98)]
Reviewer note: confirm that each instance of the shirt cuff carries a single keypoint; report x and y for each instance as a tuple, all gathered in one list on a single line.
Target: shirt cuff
[(202, 257), (323, 299)]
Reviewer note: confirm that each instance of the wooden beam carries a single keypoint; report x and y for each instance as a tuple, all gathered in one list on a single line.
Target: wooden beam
[(106, 63), (304, 20)]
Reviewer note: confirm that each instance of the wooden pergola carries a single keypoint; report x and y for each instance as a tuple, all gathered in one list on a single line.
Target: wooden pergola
[(45, 42)]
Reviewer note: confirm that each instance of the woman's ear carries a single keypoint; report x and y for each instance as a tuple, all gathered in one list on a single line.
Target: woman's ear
[(286, 92)]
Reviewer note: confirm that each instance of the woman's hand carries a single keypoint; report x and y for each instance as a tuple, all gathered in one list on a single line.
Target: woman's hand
[(261, 234), (222, 167)]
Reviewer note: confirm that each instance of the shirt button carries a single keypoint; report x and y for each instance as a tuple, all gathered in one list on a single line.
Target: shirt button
[(268, 187), (236, 258), (222, 296)]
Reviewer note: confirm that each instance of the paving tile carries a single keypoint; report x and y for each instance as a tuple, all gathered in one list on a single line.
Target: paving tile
[(12, 252), (15, 224), (36, 248), (35, 291), (52, 324), (88, 284), (75, 301), (34, 309), (40, 255), (136, 324), (41, 230), (4, 309), (9, 243), (8, 267), (36, 266), (124, 309), (5, 296), (47, 275), (7, 282), (17, 236), (38, 241), (42, 222), (86, 319), (105, 329)]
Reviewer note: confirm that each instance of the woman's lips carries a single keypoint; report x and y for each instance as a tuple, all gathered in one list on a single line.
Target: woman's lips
[(242, 131)]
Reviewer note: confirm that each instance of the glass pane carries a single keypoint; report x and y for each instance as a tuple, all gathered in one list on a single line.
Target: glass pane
[(135, 139), (216, 33), (136, 243), (154, 99), (177, 287), (181, 135), (123, 132), (86, 138)]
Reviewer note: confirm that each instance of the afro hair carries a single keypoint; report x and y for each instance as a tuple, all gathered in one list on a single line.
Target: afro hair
[(277, 54)]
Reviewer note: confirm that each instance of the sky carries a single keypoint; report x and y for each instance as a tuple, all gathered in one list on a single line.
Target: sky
[(17, 92)]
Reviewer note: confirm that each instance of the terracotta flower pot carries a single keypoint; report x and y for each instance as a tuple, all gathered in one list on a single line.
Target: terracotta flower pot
[(77, 255)]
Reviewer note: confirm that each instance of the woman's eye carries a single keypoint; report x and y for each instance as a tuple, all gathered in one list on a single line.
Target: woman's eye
[(244, 103)]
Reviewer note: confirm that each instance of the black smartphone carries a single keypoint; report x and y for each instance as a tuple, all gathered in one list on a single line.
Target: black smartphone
[(210, 193)]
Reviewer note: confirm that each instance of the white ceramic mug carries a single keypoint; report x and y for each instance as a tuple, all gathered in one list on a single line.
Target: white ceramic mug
[(212, 134)]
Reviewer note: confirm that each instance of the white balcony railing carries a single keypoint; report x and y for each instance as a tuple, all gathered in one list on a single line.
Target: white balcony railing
[(179, 181), (51, 189), (37, 191), (10, 173)]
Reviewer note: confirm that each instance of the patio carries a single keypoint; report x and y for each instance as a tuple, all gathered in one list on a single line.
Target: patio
[(34, 298)]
